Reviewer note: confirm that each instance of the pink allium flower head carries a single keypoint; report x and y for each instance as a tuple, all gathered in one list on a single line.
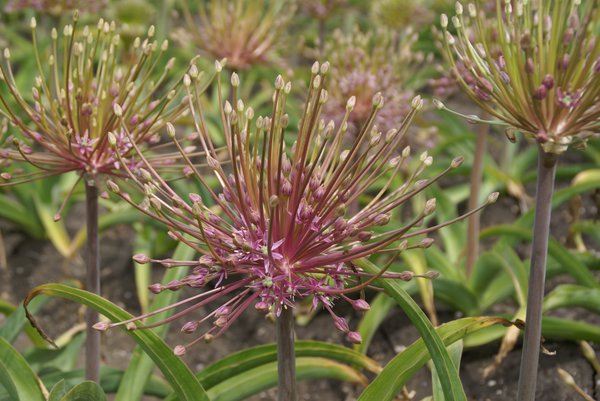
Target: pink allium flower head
[(271, 244), (90, 99), (363, 64), (245, 32), (532, 65)]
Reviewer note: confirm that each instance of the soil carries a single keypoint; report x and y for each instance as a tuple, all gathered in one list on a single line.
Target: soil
[(34, 262)]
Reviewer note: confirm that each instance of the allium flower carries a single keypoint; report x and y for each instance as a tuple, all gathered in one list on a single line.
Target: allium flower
[(282, 231), (82, 93), (397, 14), (55, 7), (363, 64), (534, 66), (321, 9), (244, 32)]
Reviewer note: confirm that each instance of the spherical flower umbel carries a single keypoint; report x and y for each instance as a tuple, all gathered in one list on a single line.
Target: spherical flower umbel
[(280, 230), (84, 96), (244, 32), (363, 64), (534, 66)]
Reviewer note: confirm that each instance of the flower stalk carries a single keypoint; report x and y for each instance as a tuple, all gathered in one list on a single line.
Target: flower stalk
[(92, 273), (286, 357), (546, 171)]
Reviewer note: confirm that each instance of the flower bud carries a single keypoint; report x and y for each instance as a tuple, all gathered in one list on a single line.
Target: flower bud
[(141, 258), (493, 197), (101, 326), (360, 305), (353, 337), (179, 350), (429, 207), (190, 327), (341, 324)]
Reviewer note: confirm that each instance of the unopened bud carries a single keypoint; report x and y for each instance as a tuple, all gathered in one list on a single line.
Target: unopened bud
[(360, 305), (493, 197), (141, 258), (429, 207), (235, 80), (457, 161), (189, 327), (341, 324), (353, 337), (32, 23), (426, 243), (170, 130), (179, 350), (117, 110), (101, 326), (378, 100), (113, 186)]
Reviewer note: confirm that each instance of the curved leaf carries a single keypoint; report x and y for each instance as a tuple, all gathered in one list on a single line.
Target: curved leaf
[(16, 376), (175, 371), (569, 295), (447, 372), (263, 377), (140, 367), (86, 391), (400, 369), (245, 360)]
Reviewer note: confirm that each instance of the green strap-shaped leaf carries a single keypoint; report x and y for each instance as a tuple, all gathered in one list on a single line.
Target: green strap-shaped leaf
[(176, 372), (447, 372), (569, 295), (16, 322), (140, 368), (243, 361), (86, 391), (16, 376), (264, 377), (59, 390), (400, 369)]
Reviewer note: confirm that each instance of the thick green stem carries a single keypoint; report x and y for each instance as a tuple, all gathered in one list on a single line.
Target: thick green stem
[(537, 275), (473, 221), (92, 283), (286, 357)]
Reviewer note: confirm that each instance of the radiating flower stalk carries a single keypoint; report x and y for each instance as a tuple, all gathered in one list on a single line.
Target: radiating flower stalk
[(280, 231), (541, 80), (245, 32), (81, 93)]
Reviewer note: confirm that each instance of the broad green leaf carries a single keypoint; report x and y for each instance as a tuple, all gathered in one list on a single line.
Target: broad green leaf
[(455, 350), (59, 390), (448, 373), (182, 380), (110, 379), (86, 391), (140, 367), (17, 322), (16, 376), (63, 358), (570, 264), (400, 369), (570, 295), (243, 361), (264, 377)]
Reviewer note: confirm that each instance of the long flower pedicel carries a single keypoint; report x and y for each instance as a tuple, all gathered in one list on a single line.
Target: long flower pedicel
[(534, 67), (283, 232)]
